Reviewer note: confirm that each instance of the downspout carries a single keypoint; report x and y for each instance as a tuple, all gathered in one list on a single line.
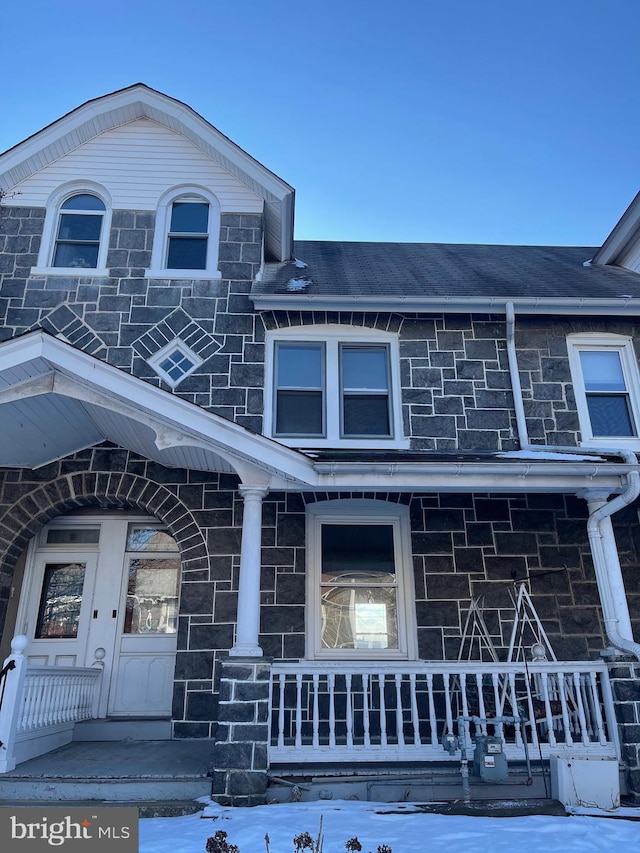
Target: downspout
[(601, 537)]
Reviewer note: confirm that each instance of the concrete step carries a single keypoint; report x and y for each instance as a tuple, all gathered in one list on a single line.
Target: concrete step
[(115, 730), (154, 808), (132, 772)]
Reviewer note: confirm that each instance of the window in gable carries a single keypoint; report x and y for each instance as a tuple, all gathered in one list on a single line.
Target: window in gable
[(607, 389), (188, 235), (332, 385), (359, 581), (75, 231), (174, 362), (79, 230), (187, 232)]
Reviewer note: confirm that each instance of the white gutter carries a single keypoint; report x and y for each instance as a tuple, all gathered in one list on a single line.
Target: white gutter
[(622, 306), (606, 561)]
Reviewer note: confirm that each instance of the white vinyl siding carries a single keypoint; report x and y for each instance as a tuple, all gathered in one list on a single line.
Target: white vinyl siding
[(137, 163)]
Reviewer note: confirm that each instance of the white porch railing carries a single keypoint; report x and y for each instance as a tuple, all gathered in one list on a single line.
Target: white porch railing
[(41, 704), (333, 711)]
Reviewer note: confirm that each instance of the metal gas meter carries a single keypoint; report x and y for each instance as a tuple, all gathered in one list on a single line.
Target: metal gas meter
[(489, 760)]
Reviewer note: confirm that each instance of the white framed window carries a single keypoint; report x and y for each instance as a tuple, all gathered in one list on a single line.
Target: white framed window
[(359, 586), (330, 386), (606, 383), (75, 234), (174, 362), (187, 235)]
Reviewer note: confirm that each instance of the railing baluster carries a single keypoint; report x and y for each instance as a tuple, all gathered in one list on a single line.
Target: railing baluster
[(399, 714), (562, 689), (316, 711), (551, 735), (580, 708), (365, 709), (383, 710), (532, 715), (433, 720), (595, 704), (447, 701), (298, 734), (332, 709), (495, 681), (281, 682), (481, 706), (347, 680), (415, 720)]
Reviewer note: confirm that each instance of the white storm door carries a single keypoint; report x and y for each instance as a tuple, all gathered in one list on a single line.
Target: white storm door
[(59, 612), (144, 661)]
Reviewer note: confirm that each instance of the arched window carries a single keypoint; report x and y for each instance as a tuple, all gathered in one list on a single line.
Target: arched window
[(75, 235), (187, 235), (80, 225)]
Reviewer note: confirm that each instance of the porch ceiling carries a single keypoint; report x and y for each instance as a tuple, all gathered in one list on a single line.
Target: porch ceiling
[(55, 400)]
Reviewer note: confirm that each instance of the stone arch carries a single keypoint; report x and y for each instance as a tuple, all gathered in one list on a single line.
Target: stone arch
[(105, 489)]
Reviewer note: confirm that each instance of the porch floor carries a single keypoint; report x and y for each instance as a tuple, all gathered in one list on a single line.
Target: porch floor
[(128, 771)]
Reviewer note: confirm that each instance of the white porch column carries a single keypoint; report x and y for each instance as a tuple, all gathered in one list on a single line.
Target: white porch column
[(248, 629), (615, 607)]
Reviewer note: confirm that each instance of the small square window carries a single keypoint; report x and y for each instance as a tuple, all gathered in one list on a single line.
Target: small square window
[(175, 362)]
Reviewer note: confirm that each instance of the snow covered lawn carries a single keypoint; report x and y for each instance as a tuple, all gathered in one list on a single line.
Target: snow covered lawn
[(374, 824)]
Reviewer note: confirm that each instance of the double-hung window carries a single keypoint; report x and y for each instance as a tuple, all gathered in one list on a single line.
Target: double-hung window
[(607, 389), (333, 387), (75, 236), (187, 235), (359, 581)]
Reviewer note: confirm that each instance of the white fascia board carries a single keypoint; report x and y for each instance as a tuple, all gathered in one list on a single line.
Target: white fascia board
[(231, 439), (623, 306), (136, 98), (625, 230)]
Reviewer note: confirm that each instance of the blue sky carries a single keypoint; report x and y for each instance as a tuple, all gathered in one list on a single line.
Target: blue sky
[(498, 121)]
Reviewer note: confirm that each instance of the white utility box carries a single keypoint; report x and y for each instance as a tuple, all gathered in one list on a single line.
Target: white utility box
[(591, 782)]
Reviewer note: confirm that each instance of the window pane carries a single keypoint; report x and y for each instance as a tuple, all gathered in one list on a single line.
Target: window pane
[(187, 253), (358, 553), (83, 202), (152, 596), (299, 413), (189, 217), (59, 612), (366, 414), (610, 415), (299, 366), (360, 618), (81, 255), (75, 226), (144, 538), (73, 536), (602, 371), (364, 368)]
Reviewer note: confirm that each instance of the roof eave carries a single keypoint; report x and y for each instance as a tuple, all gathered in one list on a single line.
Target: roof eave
[(620, 306), (625, 231)]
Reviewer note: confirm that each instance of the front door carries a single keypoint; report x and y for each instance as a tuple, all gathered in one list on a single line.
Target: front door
[(106, 588)]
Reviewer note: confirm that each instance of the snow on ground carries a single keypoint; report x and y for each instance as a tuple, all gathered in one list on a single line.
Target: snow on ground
[(374, 824)]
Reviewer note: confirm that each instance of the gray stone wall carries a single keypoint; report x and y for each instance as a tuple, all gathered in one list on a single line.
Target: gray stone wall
[(455, 382), (239, 776), (463, 546), (625, 686)]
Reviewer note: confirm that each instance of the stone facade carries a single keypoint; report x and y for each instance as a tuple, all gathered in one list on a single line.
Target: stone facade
[(456, 390), (624, 676), (463, 546)]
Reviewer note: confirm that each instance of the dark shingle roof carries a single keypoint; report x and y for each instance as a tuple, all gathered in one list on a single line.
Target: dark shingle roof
[(342, 269)]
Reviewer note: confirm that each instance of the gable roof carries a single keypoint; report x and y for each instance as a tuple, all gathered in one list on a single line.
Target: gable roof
[(624, 237), (139, 101), (437, 276)]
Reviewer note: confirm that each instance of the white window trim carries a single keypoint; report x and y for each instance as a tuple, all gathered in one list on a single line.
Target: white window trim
[(50, 231), (361, 512), (158, 267), (175, 344), (623, 345), (332, 336)]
